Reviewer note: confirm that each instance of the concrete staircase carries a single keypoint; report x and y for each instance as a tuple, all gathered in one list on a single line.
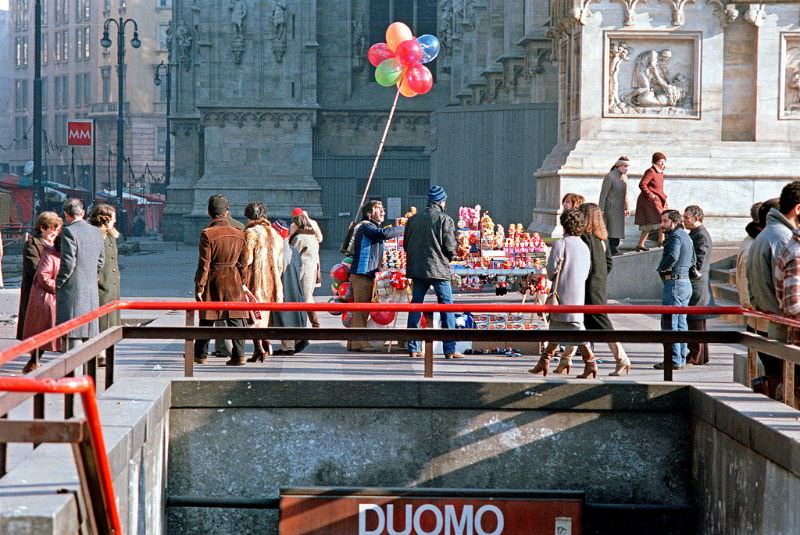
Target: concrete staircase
[(723, 285)]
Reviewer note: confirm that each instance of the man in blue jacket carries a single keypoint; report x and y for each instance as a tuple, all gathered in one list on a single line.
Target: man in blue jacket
[(674, 270), (430, 244), (367, 257)]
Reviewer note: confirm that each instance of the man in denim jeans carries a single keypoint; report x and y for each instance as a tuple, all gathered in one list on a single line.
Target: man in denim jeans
[(674, 271), (430, 244)]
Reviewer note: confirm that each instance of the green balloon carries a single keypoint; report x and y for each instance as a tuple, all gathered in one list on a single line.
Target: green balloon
[(388, 72)]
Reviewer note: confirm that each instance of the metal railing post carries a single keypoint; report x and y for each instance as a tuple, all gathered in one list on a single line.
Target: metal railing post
[(428, 373), (38, 411), (188, 348), (110, 365)]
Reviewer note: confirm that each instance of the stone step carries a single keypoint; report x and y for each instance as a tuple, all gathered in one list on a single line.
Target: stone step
[(724, 275), (727, 292)]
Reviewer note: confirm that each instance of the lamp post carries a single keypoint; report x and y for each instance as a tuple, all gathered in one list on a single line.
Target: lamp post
[(157, 81), (105, 42)]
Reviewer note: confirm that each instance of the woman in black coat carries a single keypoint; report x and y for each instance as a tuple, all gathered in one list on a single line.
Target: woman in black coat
[(596, 238)]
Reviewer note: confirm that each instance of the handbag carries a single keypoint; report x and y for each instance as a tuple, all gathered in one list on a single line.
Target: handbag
[(552, 297), (694, 273), (255, 315)]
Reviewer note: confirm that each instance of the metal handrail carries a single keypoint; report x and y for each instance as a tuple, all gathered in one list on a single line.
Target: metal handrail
[(104, 504)]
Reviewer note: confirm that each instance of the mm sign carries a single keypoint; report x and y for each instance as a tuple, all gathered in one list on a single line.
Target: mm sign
[(410, 512), (80, 133)]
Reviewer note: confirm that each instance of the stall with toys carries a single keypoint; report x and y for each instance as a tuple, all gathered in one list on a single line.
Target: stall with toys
[(488, 257)]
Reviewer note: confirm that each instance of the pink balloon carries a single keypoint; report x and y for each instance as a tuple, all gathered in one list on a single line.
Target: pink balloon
[(419, 79), (379, 52), (409, 52)]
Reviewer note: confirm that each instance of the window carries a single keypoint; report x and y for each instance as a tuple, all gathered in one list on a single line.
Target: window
[(420, 15), (62, 11), (161, 142), (45, 47), (22, 15), (78, 44), (87, 9), (82, 10), (106, 7), (57, 92), (44, 12), (45, 94), (87, 90), (163, 4), (62, 46), (21, 95), (65, 91), (163, 36), (105, 74), (21, 131), (87, 43), (78, 90), (21, 51)]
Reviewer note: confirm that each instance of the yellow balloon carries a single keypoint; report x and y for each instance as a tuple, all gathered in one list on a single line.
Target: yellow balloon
[(396, 33), (404, 89)]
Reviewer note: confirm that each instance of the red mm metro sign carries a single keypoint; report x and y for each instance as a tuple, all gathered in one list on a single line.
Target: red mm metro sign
[(80, 133)]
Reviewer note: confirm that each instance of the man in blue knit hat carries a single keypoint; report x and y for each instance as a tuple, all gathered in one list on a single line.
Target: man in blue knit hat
[(430, 244)]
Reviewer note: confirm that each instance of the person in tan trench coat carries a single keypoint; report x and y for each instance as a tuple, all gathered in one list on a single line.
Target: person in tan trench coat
[(219, 276)]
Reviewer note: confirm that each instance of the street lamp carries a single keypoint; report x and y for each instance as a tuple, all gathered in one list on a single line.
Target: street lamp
[(157, 81), (105, 42)]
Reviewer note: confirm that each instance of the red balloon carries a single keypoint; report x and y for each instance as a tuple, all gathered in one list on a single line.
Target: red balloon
[(382, 317), (347, 319), (344, 291), (419, 79), (379, 52), (408, 52), (340, 272)]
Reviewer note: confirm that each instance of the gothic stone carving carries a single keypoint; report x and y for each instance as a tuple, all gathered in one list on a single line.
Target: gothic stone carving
[(180, 44), (241, 118), (727, 12), (652, 74), (279, 17), (790, 76), (238, 11), (678, 16), (756, 14), (359, 44), (630, 11)]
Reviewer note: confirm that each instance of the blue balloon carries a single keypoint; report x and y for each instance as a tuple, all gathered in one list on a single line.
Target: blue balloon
[(430, 47)]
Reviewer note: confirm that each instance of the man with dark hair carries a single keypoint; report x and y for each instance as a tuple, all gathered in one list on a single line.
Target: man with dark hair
[(367, 257), (674, 271), (701, 288), (219, 276), (430, 244), (82, 257), (761, 257)]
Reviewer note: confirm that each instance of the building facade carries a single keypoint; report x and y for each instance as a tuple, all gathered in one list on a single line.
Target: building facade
[(79, 81), (6, 91)]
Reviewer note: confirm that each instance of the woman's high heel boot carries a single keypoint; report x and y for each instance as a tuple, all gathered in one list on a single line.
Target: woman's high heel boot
[(564, 365), (590, 366), (543, 366), (623, 367)]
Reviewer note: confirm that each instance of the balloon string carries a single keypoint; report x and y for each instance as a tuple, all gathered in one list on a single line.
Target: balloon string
[(378, 154)]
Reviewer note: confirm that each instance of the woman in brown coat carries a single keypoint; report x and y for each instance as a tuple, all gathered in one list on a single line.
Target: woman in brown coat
[(652, 201), (40, 311), (104, 217), (263, 263), (31, 253)]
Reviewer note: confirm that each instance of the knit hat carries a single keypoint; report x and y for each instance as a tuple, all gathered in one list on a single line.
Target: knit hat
[(296, 212), (623, 160), (437, 194)]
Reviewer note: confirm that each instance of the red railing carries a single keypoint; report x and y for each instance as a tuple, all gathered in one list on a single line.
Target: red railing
[(85, 387)]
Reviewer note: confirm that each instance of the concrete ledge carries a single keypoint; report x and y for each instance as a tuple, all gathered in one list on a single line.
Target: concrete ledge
[(38, 496), (767, 427), (423, 394)]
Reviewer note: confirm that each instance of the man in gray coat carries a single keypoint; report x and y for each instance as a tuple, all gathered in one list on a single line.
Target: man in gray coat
[(81, 261), (430, 244)]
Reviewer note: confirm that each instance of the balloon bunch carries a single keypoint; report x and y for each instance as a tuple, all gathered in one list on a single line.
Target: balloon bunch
[(400, 60)]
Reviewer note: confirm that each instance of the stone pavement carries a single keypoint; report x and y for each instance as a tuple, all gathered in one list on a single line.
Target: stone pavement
[(165, 271)]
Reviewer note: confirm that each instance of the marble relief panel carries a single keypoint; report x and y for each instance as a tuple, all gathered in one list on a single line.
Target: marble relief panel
[(790, 76), (652, 74)]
